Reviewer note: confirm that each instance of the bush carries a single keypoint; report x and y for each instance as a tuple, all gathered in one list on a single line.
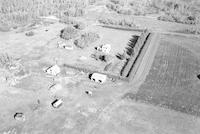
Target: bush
[(127, 22), (102, 57), (86, 39), (31, 33), (79, 25), (106, 58), (69, 33), (115, 1), (6, 60), (91, 2), (74, 12), (4, 28), (108, 66), (176, 17), (166, 17), (125, 11), (186, 12), (71, 21), (193, 30), (113, 7)]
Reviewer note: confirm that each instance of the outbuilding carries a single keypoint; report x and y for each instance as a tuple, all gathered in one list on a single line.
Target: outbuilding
[(65, 45), (53, 70)]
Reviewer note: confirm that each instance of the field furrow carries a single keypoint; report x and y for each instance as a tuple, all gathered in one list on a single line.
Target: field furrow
[(172, 80)]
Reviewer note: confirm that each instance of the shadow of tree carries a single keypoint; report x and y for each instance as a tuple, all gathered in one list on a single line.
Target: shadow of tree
[(131, 45), (198, 76), (129, 49), (121, 56)]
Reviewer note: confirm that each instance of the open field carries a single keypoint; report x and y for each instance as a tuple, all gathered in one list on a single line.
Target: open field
[(172, 81)]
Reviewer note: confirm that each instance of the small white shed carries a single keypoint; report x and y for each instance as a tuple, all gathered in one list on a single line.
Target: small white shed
[(97, 77), (104, 48), (53, 70), (65, 45), (57, 103)]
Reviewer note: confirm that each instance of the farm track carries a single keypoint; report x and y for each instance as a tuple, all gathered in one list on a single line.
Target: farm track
[(151, 30), (147, 61), (139, 58), (122, 28)]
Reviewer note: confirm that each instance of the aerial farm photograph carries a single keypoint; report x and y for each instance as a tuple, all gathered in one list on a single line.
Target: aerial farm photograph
[(99, 66)]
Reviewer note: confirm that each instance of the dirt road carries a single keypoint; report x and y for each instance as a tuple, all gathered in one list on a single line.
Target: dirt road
[(147, 61)]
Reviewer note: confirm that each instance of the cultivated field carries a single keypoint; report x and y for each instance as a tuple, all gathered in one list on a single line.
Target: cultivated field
[(172, 81)]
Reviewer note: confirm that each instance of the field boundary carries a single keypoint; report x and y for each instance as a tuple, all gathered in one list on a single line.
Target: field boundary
[(139, 58), (86, 70), (138, 54), (122, 28)]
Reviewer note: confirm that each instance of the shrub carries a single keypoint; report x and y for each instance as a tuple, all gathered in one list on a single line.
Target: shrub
[(6, 60), (91, 2), (166, 17), (86, 39), (106, 58), (115, 1), (125, 11), (123, 56), (108, 66), (69, 33), (186, 12), (31, 33), (71, 21), (4, 28), (67, 20), (102, 57), (127, 22), (177, 17), (79, 25), (113, 7), (193, 30), (74, 12)]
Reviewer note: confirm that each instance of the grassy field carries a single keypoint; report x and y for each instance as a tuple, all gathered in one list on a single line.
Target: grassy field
[(172, 81)]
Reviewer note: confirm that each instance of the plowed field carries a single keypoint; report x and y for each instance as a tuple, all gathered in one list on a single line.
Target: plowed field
[(172, 81)]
